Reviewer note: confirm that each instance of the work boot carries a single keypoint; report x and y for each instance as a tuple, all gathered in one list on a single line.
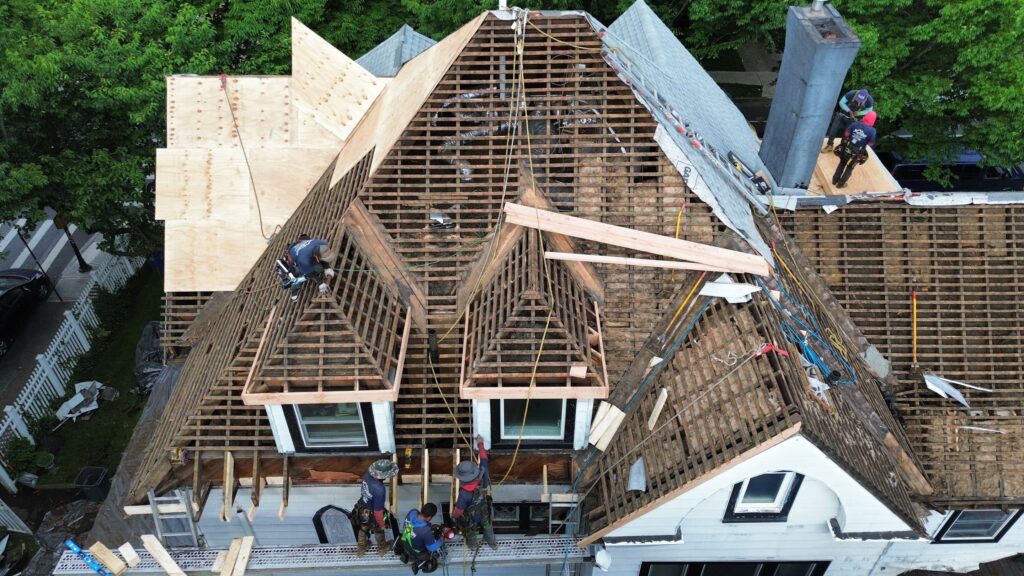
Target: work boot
[(383, 544), (488, 530), (362, 544)]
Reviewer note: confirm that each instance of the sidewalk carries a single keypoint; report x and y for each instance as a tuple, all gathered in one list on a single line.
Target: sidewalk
[(17, 365)]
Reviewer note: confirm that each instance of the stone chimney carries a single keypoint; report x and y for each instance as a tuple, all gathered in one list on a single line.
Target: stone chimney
[(819, 49)]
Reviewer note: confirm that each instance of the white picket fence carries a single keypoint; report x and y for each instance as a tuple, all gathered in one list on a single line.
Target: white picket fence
[(53, 369)]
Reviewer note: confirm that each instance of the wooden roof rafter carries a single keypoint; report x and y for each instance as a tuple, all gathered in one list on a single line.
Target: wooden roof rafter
[(532, 324), (347, 346)]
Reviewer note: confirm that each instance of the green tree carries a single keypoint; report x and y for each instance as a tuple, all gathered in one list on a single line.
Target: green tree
[(82, 98)]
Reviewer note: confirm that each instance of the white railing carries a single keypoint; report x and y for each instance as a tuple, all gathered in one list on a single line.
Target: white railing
[(53, 369), (11, 520)]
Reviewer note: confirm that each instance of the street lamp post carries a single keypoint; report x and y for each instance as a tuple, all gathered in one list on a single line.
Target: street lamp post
[(41, 269), (61, 221)]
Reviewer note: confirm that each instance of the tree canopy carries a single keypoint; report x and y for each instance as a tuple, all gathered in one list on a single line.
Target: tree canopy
[(82, 81)]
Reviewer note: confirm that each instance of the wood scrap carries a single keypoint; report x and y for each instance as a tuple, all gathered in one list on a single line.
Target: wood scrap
[(228, 564), (659, 404), (242, 561), (159, 553), (108, 559), (131, 557)]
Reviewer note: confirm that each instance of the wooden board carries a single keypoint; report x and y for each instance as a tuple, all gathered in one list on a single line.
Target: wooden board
[(159, 553), (108, 559), (396, 106), (244, 551), (327, 84), (635, 239), (871, 176), (131, 557)]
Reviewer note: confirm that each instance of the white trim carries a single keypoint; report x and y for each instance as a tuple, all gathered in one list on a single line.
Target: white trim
[(301, 425), (773, 507), (384, 424), (279, 426), (482, 421), (584, 415), (561, 426)]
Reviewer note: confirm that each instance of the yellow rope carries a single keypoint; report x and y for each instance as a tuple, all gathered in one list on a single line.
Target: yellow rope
[(563, 42)]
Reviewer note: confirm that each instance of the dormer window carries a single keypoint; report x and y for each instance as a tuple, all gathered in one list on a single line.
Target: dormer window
[(764, 498)]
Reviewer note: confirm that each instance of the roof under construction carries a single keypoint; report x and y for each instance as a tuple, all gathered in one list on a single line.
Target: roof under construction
[(557, 115)]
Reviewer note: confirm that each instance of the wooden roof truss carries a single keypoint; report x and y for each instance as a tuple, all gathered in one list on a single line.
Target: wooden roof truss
[(347, 346), (533, 323)]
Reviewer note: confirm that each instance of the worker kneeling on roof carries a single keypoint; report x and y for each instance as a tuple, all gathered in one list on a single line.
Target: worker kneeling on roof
[(472, 513), (422, 543), (369, 512), (308, 259)]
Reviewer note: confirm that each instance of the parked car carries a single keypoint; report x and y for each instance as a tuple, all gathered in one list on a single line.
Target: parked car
[(968, 175), (21, 290)]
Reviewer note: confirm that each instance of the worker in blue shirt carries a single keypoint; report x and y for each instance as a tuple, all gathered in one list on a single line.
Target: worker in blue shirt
[(419, 542), (472, 513), (370, 510), (853, 106), (308, 259), (853, 149)]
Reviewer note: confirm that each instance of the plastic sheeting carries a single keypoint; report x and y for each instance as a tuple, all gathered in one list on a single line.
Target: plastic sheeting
[(148, 357)]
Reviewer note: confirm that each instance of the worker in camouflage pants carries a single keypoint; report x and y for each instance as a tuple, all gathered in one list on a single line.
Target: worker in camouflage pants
[(472, 513), (369, 513)]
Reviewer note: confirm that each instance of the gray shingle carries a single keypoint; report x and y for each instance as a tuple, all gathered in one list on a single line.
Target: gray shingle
[(387, 58), (671, 82)]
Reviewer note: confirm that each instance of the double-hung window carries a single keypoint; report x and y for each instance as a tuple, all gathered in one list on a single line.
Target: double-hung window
[(331, 425), (545, 420), (764, 498), (977, 525)]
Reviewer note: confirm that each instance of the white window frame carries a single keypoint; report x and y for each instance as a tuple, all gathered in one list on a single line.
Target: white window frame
[(321, 444), (774, 507), (561, 425), (1011, 515)]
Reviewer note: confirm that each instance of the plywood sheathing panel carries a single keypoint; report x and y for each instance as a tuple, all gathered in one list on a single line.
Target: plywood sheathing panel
[(328, 85), (210, 209), (872, 176), (198, 114)]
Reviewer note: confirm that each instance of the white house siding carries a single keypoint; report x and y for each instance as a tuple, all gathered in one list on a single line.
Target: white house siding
[(827, 492)]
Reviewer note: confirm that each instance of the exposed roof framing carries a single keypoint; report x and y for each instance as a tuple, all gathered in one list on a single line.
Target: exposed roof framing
[(347, 346), (532, 324), (965, 265)]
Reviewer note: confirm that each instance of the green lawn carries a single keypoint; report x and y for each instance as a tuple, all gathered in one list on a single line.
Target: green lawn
[(100, 440)]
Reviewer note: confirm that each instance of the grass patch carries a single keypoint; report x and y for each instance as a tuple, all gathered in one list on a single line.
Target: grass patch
[(101, 440)]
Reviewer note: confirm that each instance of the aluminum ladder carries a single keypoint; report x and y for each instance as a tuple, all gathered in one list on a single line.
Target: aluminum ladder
[(173, 525)]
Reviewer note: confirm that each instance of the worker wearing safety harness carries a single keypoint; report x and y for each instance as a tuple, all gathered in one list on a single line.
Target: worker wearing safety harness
[(853, 150), (853, 106), (369, 512), (308, 259), (421, 542), (472, 511)]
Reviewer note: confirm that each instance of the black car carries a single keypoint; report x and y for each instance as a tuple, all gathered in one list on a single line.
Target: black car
[(21, 290), (967, 174)]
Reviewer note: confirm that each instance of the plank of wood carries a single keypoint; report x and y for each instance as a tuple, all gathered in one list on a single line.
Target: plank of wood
[(659, 404), (229, 486), (228, 564), (242, 562), (218, 562), (599, 259), (159, 553), (131, 557), (732, 260), (578, 371), (108, 559), (610, 430)]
